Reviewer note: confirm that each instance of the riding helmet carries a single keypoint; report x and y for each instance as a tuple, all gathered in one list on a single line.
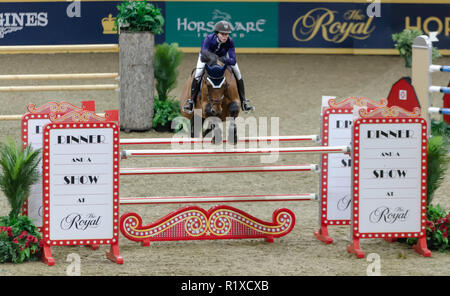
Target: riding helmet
[(222, 27)]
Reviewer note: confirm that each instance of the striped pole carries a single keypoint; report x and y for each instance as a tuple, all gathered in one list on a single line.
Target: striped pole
[(220, 169), (218, 152), (153, 141), (439, 68), (59, 76), (445, 111), (58, 87), (442, 89), (215, 199)]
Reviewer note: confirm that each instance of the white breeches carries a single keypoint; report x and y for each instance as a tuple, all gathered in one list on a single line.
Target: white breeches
[(201, 67)]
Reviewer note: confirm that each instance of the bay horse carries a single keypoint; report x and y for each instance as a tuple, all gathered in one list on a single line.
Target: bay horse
[(218, 99)]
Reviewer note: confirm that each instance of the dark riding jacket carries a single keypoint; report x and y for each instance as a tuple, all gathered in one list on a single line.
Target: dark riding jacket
[(212, 44)]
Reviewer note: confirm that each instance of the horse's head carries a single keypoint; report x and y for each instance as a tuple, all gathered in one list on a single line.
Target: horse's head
[(216, 85)]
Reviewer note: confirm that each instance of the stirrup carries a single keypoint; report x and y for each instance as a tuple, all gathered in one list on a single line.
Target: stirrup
[(187, 106)]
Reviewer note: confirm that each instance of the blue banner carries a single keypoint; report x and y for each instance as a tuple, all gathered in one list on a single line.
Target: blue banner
[(358, 25), (298, 25), (57, 23)]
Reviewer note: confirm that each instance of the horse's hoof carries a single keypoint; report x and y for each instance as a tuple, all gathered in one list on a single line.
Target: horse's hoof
[(252, 109)]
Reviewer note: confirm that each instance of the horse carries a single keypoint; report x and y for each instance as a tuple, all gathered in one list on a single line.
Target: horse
[(218, 99)]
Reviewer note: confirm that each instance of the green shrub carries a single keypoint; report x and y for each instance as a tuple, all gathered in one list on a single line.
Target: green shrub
[(19, 172), (441, 128), (167, 59), (165, 111), (404, 41), (437, 164), (139, 16)]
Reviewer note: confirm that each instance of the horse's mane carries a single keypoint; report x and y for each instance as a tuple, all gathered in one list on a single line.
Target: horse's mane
[(208, 57)]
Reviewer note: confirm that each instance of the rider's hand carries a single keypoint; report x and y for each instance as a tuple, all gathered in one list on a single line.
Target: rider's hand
[(223, 59)]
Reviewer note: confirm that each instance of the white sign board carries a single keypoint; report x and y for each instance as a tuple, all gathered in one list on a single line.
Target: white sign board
[(81, 183), (336, 167), (389, 177), (32, 126)]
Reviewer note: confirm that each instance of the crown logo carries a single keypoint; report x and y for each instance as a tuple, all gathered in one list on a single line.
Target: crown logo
[(108, 24)]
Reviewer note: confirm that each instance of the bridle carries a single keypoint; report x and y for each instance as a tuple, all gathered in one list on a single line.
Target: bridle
[(223, 83)]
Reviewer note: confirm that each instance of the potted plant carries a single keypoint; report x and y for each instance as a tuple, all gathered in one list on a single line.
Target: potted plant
[(137, 22), (403, 42), (19, 239), (167, 59)]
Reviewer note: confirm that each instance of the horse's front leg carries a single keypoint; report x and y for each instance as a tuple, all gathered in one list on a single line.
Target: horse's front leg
[(196, 125), (213, 129), (233, 110)]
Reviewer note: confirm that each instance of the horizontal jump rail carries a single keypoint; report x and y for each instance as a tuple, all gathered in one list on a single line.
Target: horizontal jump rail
[(439, 68), (442, 89), (58, 87), (214, 199), (59, 76), (10, 117), (220, 169), (217, 152), (153, 141), (445, 111), (44, 49)]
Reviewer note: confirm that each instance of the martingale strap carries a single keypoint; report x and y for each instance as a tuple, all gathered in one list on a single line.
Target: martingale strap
[(216, 75), (216, 83)]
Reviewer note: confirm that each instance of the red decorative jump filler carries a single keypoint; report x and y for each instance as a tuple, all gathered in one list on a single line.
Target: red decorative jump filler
[(81, 182), (389, 177), (195, 223)]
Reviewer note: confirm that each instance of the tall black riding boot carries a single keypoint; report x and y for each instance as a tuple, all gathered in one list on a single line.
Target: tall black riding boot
[(245, 104), (195, 88)]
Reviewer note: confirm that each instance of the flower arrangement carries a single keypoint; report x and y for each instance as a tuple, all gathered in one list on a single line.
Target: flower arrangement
[(19, 238), (437, 229)]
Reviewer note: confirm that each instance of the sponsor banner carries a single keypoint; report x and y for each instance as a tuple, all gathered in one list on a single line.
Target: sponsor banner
[(57, 23), (253, 24), (274, 26), (358, 25)]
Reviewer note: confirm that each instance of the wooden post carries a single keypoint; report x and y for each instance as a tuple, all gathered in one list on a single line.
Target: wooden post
[(136, 81), (421, 77)]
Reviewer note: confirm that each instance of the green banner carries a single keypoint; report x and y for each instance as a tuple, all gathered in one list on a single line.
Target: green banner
[(254, 24)]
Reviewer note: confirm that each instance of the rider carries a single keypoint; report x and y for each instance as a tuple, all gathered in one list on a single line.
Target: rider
[(222, 45)]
